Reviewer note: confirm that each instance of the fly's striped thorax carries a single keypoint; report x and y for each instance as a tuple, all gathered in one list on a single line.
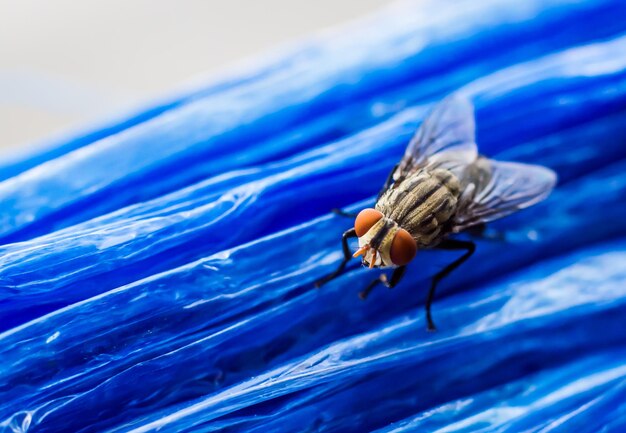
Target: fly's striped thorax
[(422, 204)]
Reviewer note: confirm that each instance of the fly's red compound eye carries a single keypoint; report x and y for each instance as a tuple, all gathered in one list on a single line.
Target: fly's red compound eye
[(365, 220), (403, 248)]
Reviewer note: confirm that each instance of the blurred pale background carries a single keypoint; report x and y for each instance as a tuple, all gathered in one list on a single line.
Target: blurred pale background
[(64, 63)]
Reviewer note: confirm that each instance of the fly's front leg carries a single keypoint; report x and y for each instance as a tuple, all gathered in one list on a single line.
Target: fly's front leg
[(387, 182), (343, 213), (347, 255), (396, 276), (448, 244), (483, 232)]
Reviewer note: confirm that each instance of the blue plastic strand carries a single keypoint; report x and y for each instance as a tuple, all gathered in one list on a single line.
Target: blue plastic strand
[(157, 271), (151, 237), (228, 125)]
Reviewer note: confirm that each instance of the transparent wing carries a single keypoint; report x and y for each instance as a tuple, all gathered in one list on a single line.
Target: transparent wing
[(494, 189), (446, 139)]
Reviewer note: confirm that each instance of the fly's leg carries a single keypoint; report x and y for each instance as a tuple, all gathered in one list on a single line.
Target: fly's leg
[(347, 255), (396, 276), (343, 213), (448, 244), (387, 182), (481, 231)]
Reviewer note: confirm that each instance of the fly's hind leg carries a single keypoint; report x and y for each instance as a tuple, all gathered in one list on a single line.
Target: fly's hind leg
[(396, 276), (347, 255), (451, 245)]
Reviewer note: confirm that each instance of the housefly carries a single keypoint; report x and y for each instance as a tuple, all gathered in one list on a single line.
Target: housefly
[(442, 186)]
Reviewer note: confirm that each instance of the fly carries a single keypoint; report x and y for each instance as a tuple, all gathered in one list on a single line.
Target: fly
[(442, 186)]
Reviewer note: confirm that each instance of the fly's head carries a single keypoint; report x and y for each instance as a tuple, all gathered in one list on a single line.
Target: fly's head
[(382, 243)]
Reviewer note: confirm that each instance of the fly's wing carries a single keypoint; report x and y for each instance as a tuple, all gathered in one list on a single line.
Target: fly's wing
[(494, 189), (446, 139)]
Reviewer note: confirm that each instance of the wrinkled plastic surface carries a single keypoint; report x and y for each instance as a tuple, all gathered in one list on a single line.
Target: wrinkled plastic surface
[(157, 272)]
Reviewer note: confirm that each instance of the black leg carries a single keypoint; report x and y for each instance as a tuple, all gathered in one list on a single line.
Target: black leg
[(396, 276), (387, 182), (343, 213), (448, 244), (347, 255), (481, 231)]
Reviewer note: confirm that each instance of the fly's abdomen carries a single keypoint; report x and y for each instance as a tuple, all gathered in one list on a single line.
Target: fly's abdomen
[(422, 204)]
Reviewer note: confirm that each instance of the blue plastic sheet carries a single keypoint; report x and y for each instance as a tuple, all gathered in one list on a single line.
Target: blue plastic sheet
[(156, 272)]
